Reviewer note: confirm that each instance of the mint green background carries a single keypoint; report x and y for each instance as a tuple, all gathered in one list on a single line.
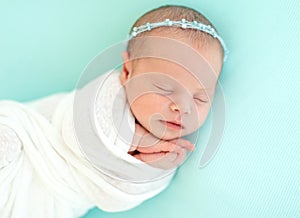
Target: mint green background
[(45, 46)]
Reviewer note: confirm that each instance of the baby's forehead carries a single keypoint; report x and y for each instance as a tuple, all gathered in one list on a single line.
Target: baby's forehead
[(161, 70), (178, 48)]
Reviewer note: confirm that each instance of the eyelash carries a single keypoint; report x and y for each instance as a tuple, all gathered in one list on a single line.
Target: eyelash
[(171, 91), (200, 100), (163, 89)]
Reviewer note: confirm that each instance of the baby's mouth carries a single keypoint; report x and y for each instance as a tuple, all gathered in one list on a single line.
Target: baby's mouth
[(172, 124)]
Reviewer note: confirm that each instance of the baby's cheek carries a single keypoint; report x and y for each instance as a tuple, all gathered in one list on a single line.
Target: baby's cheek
[(145, 107), (197, 118), (202, 114), (191, 126)]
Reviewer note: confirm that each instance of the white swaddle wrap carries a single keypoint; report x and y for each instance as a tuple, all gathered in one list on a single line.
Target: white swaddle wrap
[(67, 153)]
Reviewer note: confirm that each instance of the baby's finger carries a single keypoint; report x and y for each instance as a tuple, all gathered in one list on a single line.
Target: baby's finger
[(184, 144), (170, 157), (168, 146), (159, 160), (149, 157), (162, 146), (180, 157), (166, 162)]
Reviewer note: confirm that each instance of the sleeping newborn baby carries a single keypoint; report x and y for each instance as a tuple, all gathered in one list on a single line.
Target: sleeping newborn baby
[(118, 140)]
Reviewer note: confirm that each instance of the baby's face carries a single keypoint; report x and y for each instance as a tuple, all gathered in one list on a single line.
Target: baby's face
[(166, 98)]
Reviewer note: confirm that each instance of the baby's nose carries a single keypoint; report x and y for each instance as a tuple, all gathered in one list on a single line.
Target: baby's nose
[(181, 105)]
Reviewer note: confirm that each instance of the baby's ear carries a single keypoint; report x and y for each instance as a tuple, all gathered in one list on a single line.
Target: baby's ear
[(126, 68)]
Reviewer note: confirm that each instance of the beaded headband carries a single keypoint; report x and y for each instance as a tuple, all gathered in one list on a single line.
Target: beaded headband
[(184, 25)]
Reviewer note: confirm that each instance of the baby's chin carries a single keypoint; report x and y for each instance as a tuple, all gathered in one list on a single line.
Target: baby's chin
[(167, 136)]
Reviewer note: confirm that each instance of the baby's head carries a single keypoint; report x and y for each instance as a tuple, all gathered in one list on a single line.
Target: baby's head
[(170, 72)]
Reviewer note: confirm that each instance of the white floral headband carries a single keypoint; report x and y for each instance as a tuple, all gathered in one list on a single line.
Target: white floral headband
[(184, 25)]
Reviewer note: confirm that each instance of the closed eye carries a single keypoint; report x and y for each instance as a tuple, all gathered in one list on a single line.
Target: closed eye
[(200, 100), (164, 89)]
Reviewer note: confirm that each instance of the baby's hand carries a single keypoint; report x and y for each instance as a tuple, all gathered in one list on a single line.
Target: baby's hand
[(160, 153), (164, 154)]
